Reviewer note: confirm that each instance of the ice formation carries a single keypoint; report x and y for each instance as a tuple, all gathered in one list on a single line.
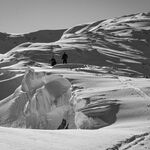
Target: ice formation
[(48, 106), (42, 101)]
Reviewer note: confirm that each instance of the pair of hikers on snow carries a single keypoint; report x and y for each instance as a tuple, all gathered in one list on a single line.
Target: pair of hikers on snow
[(64, 59)]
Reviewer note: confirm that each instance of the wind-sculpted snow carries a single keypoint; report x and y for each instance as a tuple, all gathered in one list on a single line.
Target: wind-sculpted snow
[(122, 43)]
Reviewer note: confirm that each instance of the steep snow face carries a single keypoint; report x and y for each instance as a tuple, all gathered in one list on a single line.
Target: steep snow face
[(120, 42), (40, 102)]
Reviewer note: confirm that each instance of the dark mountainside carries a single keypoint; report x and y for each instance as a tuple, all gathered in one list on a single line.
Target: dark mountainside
[(9, 41)]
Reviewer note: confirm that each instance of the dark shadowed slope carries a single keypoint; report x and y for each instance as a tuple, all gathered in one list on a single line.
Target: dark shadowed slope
[(9, 41)]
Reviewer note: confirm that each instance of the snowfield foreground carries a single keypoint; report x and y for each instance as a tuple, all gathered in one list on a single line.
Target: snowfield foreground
[(117, 108), (100, 100)]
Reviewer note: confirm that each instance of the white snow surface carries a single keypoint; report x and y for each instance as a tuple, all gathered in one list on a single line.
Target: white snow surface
[(115, 107)]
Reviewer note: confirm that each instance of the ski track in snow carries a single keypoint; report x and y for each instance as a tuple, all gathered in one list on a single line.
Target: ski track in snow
[(125, 82), (130, 143)]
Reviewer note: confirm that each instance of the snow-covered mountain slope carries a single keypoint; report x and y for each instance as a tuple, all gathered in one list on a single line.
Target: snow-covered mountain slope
[(121, 43), (9, 41)]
